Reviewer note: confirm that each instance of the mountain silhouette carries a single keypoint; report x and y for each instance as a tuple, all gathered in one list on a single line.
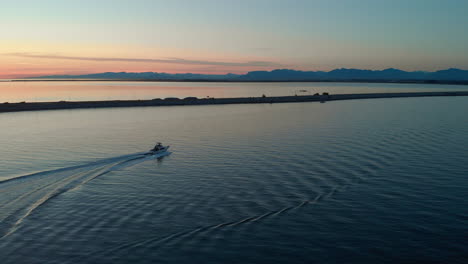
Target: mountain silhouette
[(342, 74)]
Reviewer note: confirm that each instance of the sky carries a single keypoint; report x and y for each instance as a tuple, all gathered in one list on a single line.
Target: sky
[(229, 36)]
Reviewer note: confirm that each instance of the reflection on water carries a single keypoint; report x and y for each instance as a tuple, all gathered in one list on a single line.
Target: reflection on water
[(108, 90), (371, 181)]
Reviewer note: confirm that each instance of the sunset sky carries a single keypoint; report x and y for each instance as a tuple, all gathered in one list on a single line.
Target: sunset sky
[(216, 37)]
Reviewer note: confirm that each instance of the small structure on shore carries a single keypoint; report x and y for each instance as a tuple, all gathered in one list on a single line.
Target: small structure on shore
[(171, 99)]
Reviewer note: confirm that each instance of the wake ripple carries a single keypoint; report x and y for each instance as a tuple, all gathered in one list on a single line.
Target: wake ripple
[(187, 233), (332, 174), (22, 195)]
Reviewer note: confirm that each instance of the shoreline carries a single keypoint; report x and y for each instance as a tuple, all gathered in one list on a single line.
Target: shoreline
[(62, 105), (408, 81)]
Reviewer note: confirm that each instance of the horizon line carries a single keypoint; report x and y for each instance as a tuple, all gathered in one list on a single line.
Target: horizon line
[(278, 69)]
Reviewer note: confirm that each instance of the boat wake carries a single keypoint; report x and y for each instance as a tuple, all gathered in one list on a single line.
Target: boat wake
[(193, 232), (22, 195)]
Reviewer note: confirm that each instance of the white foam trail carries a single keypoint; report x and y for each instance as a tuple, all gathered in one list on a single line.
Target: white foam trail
[(103, 161), (22, 195)]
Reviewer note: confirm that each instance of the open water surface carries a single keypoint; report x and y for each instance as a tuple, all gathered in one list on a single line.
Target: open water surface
[(364, 181), (46, 91)]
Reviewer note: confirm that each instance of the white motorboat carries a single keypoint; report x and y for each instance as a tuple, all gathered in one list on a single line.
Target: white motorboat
[(158, 149)]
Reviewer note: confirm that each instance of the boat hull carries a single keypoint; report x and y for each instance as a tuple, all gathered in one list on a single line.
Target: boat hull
[(162, 152)]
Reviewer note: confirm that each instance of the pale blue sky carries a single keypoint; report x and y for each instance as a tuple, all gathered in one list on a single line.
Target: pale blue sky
[(300, 34)]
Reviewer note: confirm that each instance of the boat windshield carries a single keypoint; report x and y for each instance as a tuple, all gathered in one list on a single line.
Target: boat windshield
[(157, 147)]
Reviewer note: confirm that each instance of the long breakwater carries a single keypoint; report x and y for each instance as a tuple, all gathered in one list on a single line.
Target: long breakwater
[(37, 106)]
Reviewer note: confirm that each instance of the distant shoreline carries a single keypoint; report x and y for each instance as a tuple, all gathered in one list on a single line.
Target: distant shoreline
[(245, 81), (62, 105)]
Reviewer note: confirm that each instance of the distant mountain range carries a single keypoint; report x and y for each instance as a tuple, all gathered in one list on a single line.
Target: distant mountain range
[(387, 75)]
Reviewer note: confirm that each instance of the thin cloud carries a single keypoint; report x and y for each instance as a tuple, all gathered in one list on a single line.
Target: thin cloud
[(262, 49), (171, 60)]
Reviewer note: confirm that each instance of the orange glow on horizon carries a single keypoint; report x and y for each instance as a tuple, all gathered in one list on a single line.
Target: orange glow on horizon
[(14, 65)]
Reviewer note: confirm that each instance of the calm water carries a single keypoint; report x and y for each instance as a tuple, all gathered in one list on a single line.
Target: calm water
[(79, 91), (371, 181)]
